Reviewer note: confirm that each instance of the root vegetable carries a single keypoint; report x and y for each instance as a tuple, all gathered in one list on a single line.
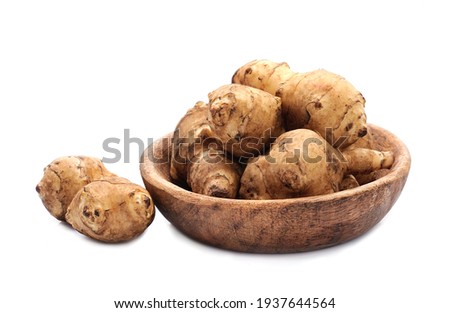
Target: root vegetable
[(348, 182), (372, 176), (244, 119), (366, 142), (188, 139), (64, 177), (199, 160), (317, 100), (364, 153), (363, 161), (213, 174), (96, 202), (302, 163), (111, 210), (285, 173)]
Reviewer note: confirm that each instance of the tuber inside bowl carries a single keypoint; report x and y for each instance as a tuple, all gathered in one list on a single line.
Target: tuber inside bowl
[(276, 226)]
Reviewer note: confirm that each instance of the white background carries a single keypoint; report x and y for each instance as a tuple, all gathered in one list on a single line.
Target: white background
[(73, 73)]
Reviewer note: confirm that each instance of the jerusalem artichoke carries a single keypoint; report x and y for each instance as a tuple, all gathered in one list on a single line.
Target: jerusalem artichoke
[(348, 182), (363, 161), (198, 159), (111, 210), (285, 173), (302, 163), (64, 177), (366, 178), (244, 119), (317, 100), (213, 174), (188, 139), (96, 202)]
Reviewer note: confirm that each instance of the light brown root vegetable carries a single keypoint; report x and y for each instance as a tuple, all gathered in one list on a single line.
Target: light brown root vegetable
[(302, 163), (362, 160), (296, 166), (213, 174), (199, 160), (64, 177), (317, 100), (363, 142), (366, 173), (372, 176), (188, 140), (348, 182), (97, 203), (111, 210), (245, 120)]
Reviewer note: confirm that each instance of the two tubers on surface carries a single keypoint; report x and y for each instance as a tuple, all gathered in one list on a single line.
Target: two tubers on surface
[(236, 146), (94, 201)]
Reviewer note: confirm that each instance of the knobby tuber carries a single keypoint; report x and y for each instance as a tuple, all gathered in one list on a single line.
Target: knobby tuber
[(365, 178), (213, 174), (64, 177), (348, 182), (198, 159), (96, 202), (368, 142), (285, 172), (111, 209), (317, 100), (302, 163), (245, 120), (364, 161), (188, 139)]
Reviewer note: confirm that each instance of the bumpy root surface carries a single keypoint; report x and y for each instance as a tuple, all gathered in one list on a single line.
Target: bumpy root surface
[(111, 210), (245, 120), (319, 100), (64, 177)]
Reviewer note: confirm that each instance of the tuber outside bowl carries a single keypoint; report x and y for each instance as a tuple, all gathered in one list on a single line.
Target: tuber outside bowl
[(276, 226)]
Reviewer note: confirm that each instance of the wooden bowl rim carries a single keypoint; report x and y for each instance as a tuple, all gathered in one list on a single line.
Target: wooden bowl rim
[(400, 168)]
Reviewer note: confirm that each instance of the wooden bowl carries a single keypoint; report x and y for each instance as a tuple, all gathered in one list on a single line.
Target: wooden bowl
[(276, 226)]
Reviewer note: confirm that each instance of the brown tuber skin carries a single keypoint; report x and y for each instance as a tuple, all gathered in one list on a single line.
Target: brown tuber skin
[(367, 176), (284, 173), (97, 203), (64, 177), (349, 182), (244, 119), (188, 140), (111, 210), (363, 161), (198, 160), (214, 175), (301, 163), (363, 142), (372, 176), (317, 100)]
